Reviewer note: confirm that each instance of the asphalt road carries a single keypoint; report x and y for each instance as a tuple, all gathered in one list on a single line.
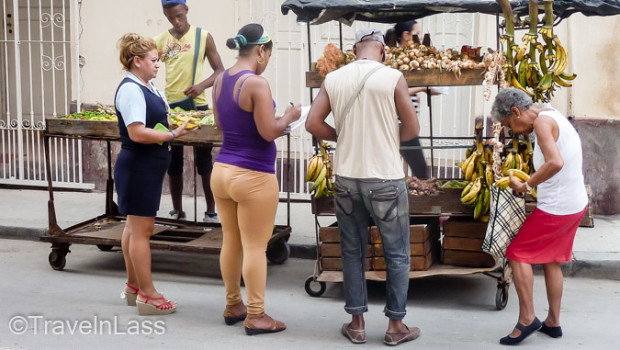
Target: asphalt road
[(80, 307)]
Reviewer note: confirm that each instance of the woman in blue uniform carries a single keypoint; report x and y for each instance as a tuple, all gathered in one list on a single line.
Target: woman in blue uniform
[(140, 167)]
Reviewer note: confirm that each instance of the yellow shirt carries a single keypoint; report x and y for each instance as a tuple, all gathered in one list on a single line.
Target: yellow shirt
[(178, 55)]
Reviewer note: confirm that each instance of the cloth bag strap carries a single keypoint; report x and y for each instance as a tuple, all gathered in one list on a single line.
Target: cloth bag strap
[(196, 52), (359, 88)]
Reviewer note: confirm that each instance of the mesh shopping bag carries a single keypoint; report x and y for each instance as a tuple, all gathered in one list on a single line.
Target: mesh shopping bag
[(507, 216)]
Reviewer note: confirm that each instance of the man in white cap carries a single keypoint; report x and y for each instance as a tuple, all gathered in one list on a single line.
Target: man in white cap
[(368, 99)]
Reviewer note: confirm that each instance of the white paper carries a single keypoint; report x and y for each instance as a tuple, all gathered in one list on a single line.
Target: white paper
[(301, 121)]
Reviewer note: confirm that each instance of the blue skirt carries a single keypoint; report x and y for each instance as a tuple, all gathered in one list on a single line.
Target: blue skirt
[(138, 178)]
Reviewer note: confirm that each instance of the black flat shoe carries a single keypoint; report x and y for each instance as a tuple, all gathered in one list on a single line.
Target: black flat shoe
[(553, 332), (526, 331)]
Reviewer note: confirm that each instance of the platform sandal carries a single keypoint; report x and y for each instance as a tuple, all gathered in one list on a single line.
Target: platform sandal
[(165, 308), (230, 318), (130, 297)]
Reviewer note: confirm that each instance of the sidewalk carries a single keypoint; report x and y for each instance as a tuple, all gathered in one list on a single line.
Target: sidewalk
[(23, 215)]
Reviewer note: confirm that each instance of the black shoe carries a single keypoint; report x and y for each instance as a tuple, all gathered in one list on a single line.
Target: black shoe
[(553, 332), (526, 331)]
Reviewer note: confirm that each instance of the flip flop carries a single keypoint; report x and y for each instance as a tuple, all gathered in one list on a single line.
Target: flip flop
[(553, 332), (356, 336), (401, 337), (526, 331)]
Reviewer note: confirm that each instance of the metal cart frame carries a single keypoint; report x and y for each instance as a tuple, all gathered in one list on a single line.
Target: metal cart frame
[(105, 230)]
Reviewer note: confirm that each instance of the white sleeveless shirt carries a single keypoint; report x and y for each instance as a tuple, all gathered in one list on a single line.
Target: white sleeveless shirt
[(369, 140), (564, 193)]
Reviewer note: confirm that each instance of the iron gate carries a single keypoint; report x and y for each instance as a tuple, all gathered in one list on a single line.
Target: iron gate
[(37, 59)]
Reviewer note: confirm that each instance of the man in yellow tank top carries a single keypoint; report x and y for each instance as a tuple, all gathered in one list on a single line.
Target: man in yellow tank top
[(177, 47)]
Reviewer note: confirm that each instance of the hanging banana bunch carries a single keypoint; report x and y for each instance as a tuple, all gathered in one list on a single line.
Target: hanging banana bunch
[(477, 169), (541, 70), (320, 172)]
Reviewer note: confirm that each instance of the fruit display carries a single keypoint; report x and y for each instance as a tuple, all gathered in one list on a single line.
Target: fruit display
[(93, 115), (332, 59), (534, 67), (320, 172), (196, 118), (419, 187)]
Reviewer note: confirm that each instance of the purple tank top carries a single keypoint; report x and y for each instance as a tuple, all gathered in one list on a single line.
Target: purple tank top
[(243, 146)]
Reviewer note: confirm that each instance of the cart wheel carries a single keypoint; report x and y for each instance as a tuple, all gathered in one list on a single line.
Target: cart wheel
[(278, 252), (312, 292), (501, 297), (105, 247), (57, 259)]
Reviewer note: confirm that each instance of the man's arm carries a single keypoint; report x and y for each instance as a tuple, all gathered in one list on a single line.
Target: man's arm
[(315, 124), (409, 124), (216, 64)]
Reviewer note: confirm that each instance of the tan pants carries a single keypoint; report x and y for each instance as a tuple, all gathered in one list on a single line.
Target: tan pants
[(246, 201)]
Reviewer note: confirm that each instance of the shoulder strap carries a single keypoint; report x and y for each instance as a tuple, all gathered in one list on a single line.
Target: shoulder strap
[(196, 52), (356, 93)]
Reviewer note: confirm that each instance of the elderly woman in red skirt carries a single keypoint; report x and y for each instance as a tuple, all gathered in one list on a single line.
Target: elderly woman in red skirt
[(548, 233)]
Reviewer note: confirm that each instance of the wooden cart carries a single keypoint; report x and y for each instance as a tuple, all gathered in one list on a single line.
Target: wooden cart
[(105, 230)]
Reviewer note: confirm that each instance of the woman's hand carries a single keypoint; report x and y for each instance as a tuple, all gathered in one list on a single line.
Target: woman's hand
[(293, 111), (182, 130), (517, 185)]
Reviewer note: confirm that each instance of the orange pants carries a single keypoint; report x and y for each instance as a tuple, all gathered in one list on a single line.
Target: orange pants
[(246, 201)]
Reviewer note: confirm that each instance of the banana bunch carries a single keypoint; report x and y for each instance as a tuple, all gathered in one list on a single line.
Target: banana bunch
[(541, 70), (320, 171), (519, 160), (517, 174), (478, 170)]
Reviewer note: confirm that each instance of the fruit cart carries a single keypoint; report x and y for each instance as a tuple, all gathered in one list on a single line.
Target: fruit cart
[(105, 230)]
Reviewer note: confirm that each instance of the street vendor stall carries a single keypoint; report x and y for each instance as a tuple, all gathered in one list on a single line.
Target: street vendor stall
[(461, 237), (105, 230)]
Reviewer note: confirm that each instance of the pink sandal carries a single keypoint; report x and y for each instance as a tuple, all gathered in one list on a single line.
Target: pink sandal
[(165, 308), (130, 296)]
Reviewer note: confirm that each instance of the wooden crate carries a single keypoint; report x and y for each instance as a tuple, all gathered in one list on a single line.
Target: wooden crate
[(333, 250), (417, 263), (463, 243), (467, 258), (421, 230), (322, 205), (329, 234), (417, 249), (335, 264), (467, 228)]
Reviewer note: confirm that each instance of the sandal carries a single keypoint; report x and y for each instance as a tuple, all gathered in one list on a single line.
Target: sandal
[(165, 308), (130, 297), (230, 318), (526, 331), (401, 337), (276, 326), (356, 336)]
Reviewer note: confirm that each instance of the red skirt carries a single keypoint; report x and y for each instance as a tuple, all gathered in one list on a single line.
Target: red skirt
[(545, 238)]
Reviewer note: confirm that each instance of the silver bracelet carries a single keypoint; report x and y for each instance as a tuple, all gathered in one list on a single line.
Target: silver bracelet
[(173, 136)]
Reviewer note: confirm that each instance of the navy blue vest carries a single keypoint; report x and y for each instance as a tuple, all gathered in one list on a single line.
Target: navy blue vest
[(155, 113)]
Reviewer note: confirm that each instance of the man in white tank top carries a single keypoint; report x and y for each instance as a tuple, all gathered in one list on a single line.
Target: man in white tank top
[(370, 181)]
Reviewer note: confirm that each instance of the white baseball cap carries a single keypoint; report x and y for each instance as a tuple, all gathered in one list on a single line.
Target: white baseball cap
[(367, 34)]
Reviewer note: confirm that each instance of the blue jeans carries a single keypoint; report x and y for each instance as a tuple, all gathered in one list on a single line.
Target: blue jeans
[(387, 203)]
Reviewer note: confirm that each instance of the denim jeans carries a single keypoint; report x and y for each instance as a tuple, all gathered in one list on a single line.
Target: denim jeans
[(386, 203)]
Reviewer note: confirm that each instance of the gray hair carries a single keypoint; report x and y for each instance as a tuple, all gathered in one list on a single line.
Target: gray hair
[(505, 100)]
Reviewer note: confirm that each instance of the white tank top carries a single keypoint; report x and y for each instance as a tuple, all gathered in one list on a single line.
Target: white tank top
[(564, 193), (369, 139)]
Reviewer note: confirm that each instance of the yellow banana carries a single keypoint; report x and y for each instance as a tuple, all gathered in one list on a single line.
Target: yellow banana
[(567, 76), (518, 161), (561, 82), (311, 168), (321, 188), (503, 182), (488, 174), (471, 166), (467, 189), (486, 201), (473, 193), (515, 83), (521, 175), (508, 162), (319, 179)]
